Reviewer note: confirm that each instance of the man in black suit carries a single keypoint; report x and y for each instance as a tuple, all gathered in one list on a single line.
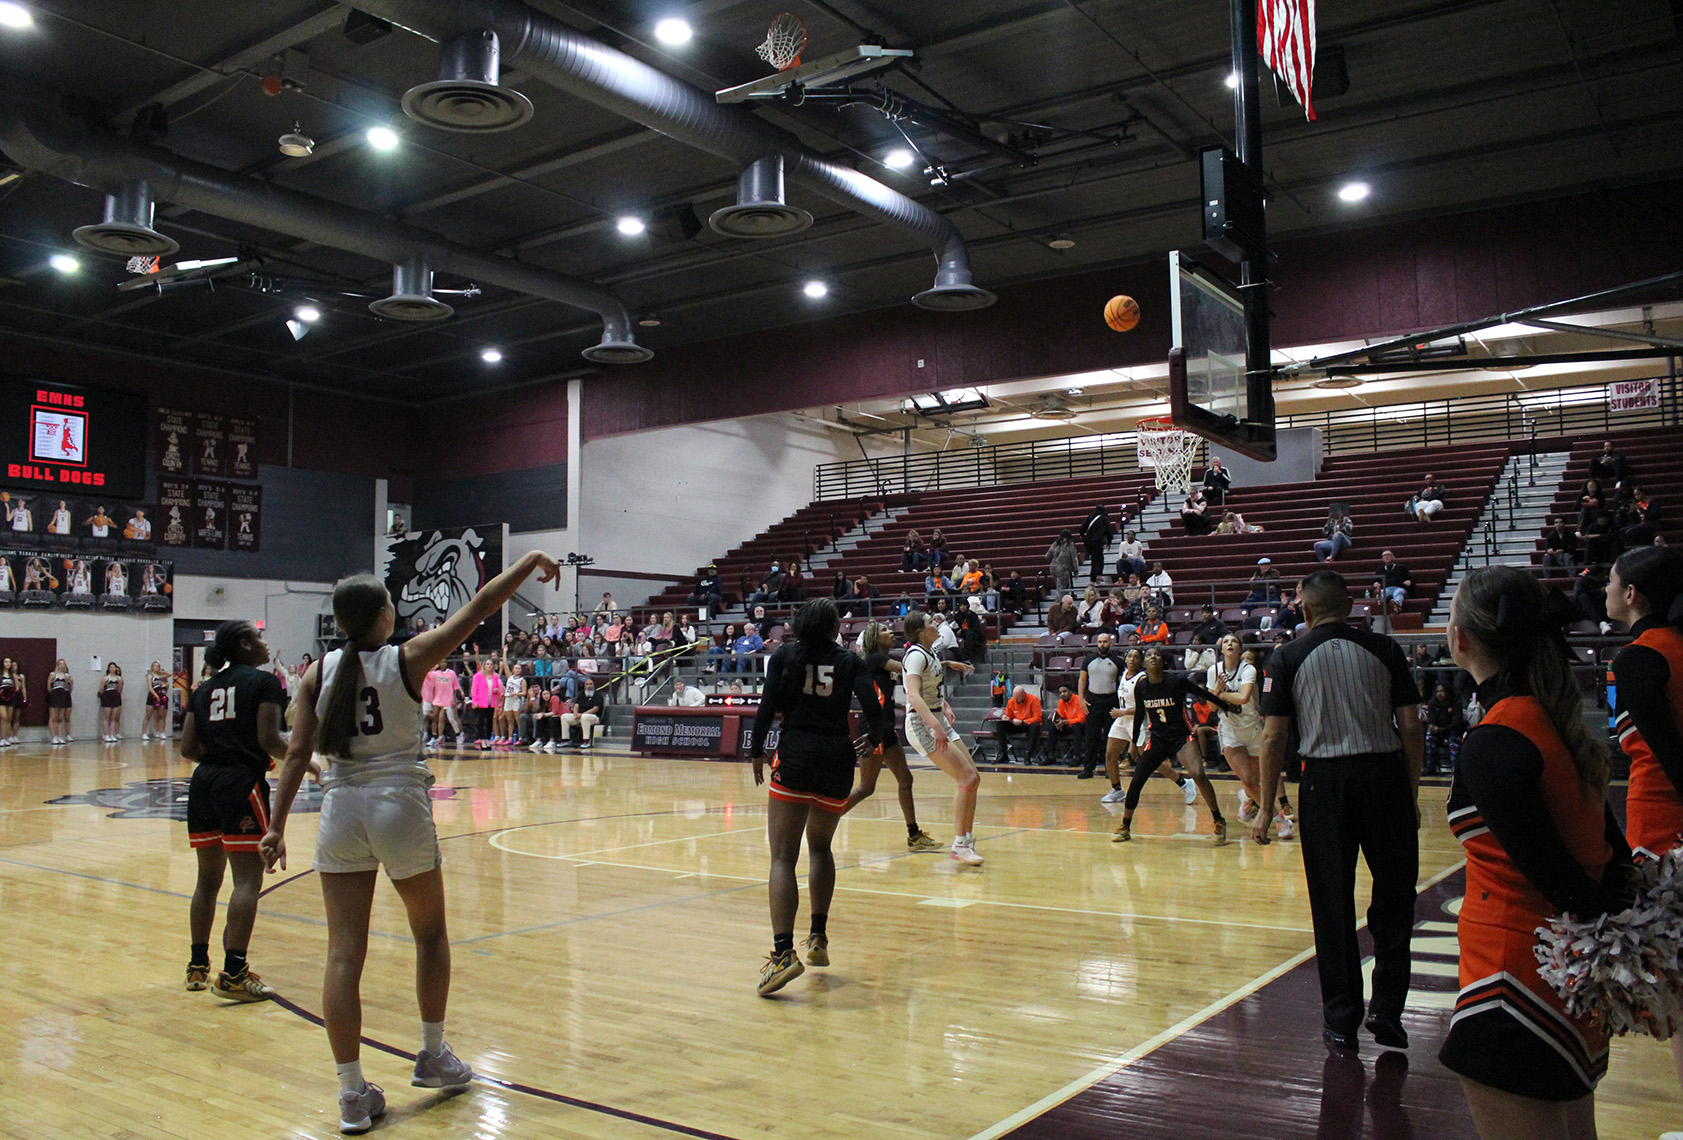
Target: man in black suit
[(1609, 468)]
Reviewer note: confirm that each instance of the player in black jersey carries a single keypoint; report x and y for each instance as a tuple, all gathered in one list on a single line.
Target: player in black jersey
[(812, 683), (233, 728), (876, 642), (1160, 701)]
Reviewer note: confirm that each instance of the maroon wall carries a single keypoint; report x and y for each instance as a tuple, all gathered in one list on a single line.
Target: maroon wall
[(509, 432), (1385, 279)]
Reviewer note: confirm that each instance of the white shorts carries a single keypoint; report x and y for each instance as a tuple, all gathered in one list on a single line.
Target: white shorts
[(513, 704), (427, 708), (365, 828), (1246, 733), (919, 736), (1122, 728)]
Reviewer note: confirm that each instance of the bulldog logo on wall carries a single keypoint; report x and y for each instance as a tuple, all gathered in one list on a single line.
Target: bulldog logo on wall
[(432, 574)]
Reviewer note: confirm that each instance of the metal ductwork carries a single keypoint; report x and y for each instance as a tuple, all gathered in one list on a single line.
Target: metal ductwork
[(127, 228), (466, 95), (760, 211), (411, 298), (72, 150), (572, 62)]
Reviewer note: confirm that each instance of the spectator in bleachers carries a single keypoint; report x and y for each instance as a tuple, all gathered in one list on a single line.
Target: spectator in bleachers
[(746, 649), (1395, 580), (686, 696), (1023, 714), (1114, 613), (988, 588), (1063, 560), (771, 586), (1291, 615), (794, 583), (1641, 519), (587, 713), (1199, 656), (1601, 538), (913, 556), (1194, 513), (1609, 467), (1014, 597), (903, 605), (606, 607), (1339, 531), (1091, 608), (1096, 534), (1265, 586), (1590, 500), (1130, 558), (1560, 546), (841, 588), (864, 591), (1210, 628), (1135, 595), (1232, 522), (719, 653), (1162, 586), (1216, 482), (1154, 630), (1426, 502), (1446, 724), (937, 587), (937, 548), (686, 633), (1063, 617), (1069, 723)]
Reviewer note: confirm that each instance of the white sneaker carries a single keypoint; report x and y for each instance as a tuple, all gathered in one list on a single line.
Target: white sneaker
[(1288, 829), (964, 851), (536, 747), (1247, 807), (1190, 791), (1114, 796), (552, 746), (442, 1070), (357, 1111)]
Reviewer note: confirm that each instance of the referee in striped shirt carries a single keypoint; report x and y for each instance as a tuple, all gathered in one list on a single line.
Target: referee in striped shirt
[(1356, 710)]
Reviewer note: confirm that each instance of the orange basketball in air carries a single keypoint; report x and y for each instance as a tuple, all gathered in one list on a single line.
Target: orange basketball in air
[(1121, 313)]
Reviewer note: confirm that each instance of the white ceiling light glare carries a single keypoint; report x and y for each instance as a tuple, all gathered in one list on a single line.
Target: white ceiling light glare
[(899, 158), (1232, 80), (491, 356), (1062, 241), (64, 263), (673, 31), (1076, 392), (307, 313), (14, 15), (382, 138), (815, 289), (630, 225), (1354, 191)]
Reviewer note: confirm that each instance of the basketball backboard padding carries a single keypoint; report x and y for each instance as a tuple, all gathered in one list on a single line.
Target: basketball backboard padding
[(832, 70)]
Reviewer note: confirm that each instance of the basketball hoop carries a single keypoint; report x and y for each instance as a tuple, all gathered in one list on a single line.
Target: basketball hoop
[(1168, 451), (142, 264), (785, 40)]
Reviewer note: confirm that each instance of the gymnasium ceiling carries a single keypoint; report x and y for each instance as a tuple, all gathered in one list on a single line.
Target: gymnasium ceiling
[(1451, 105)]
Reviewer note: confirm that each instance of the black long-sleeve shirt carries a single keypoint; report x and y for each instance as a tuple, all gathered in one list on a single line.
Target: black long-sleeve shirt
[(1162, 704), (1641, 675)]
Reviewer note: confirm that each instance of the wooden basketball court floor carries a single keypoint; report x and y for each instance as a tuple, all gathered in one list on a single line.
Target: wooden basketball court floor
[(609, 918)]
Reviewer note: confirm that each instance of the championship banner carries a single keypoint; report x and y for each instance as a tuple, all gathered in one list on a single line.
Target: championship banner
[(209, 451), (242, 448), (174, 440), (175, 512), (210, 515), (1634, 395), (245, 518), (433, 573)]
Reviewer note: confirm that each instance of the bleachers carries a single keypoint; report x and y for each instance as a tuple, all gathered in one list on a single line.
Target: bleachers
[(1655, 456)]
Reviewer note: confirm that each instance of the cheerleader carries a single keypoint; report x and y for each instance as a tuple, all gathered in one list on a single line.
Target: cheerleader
[(59, 687), (1645, 590), (11, 701), (1528, 802), (111, 704), (157, 703)]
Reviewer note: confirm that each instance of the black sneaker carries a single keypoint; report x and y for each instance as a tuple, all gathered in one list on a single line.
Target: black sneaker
[(1084, 774), (1387, 1030)]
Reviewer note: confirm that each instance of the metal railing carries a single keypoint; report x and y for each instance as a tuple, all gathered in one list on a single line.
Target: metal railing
[(1581, 410)]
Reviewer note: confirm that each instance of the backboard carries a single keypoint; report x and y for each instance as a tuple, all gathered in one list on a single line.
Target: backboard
[(1208, 393)]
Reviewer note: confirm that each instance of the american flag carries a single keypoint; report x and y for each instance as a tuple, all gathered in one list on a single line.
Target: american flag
[(1285, 31)]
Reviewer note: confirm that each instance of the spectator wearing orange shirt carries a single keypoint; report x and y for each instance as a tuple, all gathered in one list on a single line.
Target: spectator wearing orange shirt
[(1069, 720), (1022, 714), (1154, 631)]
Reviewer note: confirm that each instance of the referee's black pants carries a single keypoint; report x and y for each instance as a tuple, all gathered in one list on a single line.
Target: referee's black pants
[(1099, 708), (1360, 803)]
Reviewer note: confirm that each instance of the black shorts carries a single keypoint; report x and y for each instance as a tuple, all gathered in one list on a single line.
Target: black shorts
[(229, 805), (1162, 749), (58, 698), (108, 700), (812, 769)]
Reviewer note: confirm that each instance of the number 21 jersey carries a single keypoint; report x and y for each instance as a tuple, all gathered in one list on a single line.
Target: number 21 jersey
[(385, 743), (224, 709)]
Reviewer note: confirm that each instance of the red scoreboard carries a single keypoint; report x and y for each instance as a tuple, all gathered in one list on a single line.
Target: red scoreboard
[(63, 438)]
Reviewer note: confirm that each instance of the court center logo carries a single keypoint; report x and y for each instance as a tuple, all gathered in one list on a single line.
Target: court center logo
[(432, 574), (166, 798)]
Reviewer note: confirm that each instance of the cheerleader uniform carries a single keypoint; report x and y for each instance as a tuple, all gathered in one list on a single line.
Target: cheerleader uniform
[(157, 691), (1647, 716), (11, 696), (58, 691), (1537, 845), (109, 695)]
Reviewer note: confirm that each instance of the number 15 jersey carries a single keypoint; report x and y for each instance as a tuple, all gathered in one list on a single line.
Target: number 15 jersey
[(385, 743), (224, 709)]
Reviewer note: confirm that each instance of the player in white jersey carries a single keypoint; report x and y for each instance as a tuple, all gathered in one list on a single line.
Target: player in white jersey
[(61, 520), (1237, 680), (929, 728), (360, 709)]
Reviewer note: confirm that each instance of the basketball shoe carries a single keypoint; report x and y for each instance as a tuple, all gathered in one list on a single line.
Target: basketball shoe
[(923, 841), (1124, 832), (441, 1071), (1114, 796), (1247, 808), (779, 970), (1219, 837), (817, 949), (1189, 790), (198, 977), (247, 987), (358, 1110), (964, 851), (1288, 828)]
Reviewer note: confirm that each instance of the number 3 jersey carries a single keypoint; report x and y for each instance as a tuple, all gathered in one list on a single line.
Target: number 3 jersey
[(385, 743), (224, 709)]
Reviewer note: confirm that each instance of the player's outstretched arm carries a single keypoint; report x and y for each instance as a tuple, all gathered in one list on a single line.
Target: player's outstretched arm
[(423, 652)]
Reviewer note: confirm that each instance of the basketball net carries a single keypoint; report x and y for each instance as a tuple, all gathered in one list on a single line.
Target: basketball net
[(143, 264), (1168, 451), (785, 40)]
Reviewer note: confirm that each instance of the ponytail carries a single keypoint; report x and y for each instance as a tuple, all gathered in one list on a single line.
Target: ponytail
[(227, 644), (1505, 609), (358, 604)]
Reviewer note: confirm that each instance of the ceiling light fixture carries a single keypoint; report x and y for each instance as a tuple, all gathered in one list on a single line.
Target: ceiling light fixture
[(649, 320), (1062, 241), (1232, 80), (630, 225), (899, 158), (1354, 191), (815, 289), (296, 144), (382, 138), (15, 15), (64, 263), (307, 313), (491, 356), (673, 31)]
